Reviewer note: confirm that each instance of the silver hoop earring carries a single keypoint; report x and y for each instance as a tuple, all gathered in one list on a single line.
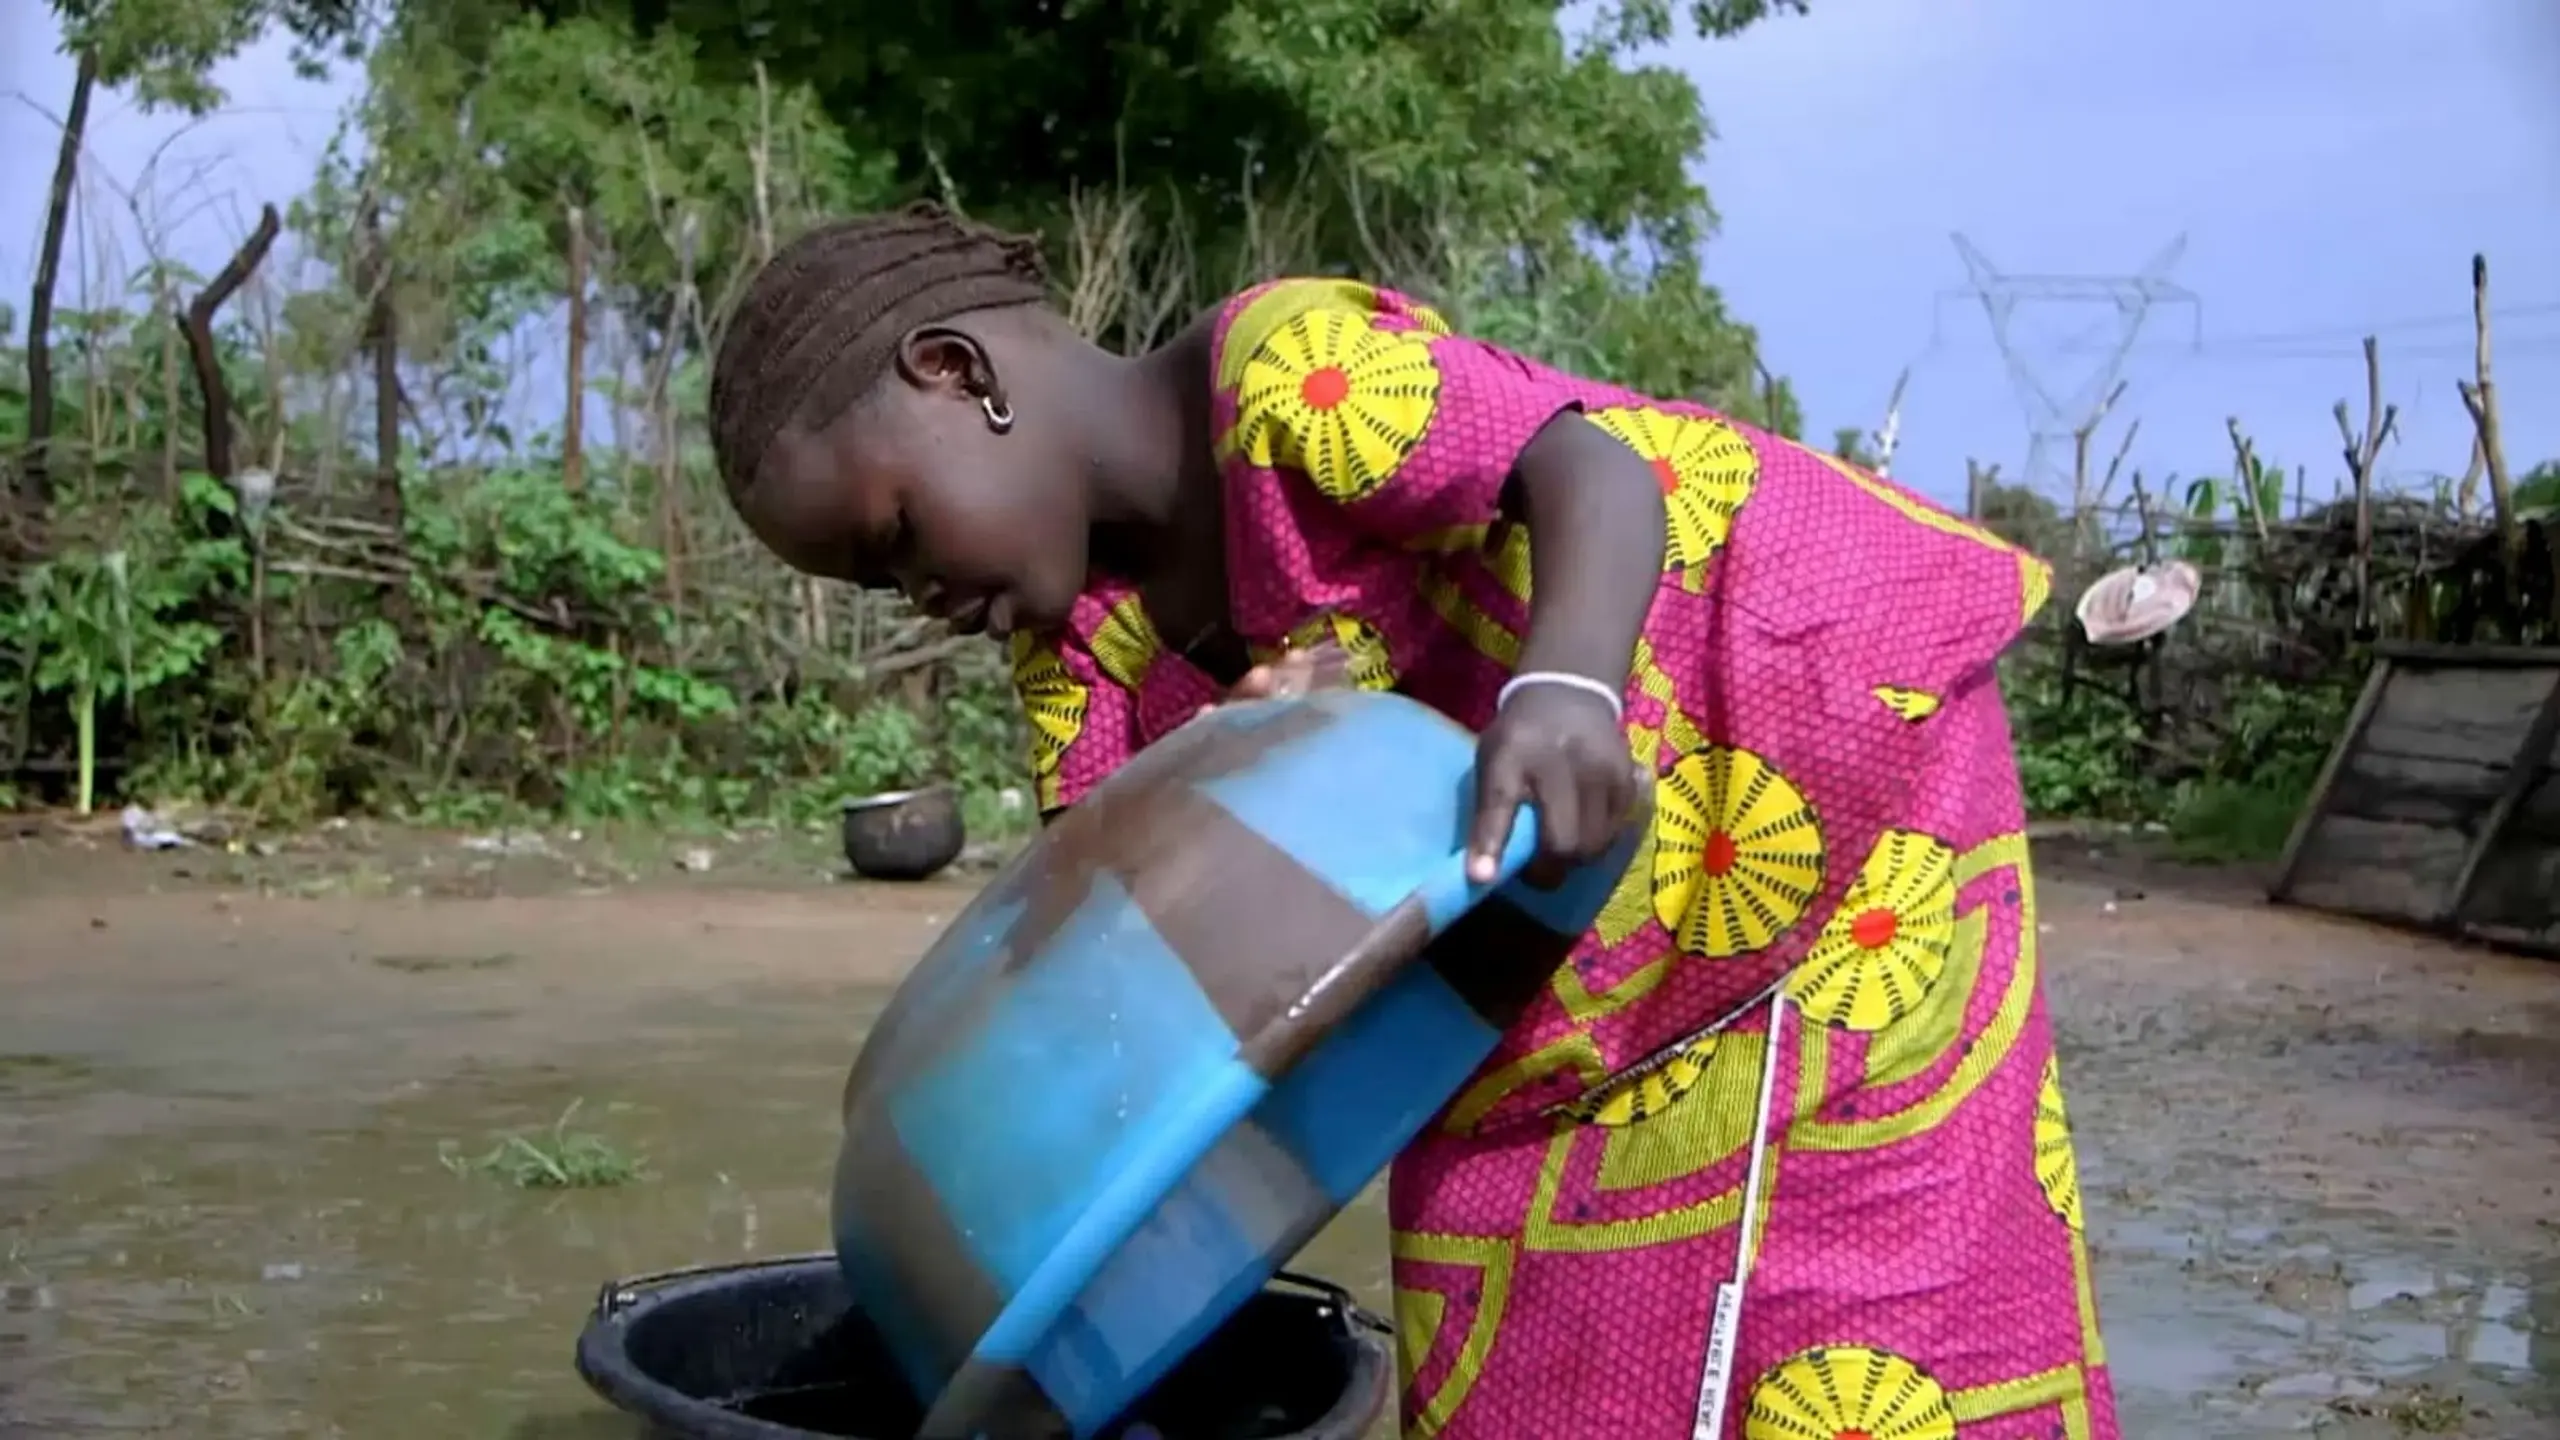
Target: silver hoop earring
[(999, 414)]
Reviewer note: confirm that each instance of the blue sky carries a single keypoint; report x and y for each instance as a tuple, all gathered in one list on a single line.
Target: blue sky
[(2332, 163)]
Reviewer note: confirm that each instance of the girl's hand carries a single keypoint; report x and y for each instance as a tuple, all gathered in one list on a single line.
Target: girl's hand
[(1562, 749), (1297, 672)]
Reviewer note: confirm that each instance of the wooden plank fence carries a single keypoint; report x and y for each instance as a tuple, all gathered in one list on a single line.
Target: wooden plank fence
[(2440, 805)]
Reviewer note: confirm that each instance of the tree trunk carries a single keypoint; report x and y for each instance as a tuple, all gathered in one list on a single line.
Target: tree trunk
[(386, 393), (382, 339), (573, 426), (219, 461), (34, 475)]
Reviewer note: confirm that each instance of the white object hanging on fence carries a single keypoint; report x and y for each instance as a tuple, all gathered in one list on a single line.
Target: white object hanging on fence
[(146, 831), (256, 490), (2131, 605)]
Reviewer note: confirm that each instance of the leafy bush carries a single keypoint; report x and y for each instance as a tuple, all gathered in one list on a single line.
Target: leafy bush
[(2092, 759)]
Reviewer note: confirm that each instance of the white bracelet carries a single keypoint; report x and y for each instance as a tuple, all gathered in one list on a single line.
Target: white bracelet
[(1583, 683)]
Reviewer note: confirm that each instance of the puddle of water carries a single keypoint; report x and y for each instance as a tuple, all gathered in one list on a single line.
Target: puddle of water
[(2326, 1325), (303, 1262), (301, 1277), (280, 1280)]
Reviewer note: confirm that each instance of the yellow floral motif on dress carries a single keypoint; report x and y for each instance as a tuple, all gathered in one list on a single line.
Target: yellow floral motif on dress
[(2063, 1388), (1912, 705), (1988, 1048), (1422, 1314), (1848, 1392), (1125, 644), (1274, 306), (1418, 1315), (1488, 636), (1689, 1126), (1429, 320), (1372, 665), (1631, 1098), (1054, 703), (1505, 557), (1912, 509), (1921, 1039), (1509, 562), (2057, 1166), (2035, 586), (1337, 399), (1283, 299), (1706, 469), (1452, 540), (1574, 1051), (1737, 853), (1887, 943), (1630, 905), (1638, 1192)]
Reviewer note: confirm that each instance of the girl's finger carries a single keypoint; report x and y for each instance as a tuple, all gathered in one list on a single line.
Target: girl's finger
[(1498, 795), (1609, 796), (1565, 813)]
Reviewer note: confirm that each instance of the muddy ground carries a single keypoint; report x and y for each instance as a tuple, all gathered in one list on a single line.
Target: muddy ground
[(2321, 1158)]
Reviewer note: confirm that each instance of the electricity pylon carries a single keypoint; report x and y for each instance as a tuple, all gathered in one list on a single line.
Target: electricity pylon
[(2058, 408)]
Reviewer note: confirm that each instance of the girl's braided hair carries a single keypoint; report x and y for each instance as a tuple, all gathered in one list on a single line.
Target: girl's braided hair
[(821, 321)]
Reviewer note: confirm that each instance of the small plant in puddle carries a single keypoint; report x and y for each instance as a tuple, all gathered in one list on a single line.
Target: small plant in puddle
[(561, 1158), (2422, 1410)]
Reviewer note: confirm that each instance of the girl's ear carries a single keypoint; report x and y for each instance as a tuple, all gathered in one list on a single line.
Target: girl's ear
[(935, 358)]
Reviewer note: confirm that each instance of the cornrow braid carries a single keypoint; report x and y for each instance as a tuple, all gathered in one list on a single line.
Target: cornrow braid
[(821, 322)]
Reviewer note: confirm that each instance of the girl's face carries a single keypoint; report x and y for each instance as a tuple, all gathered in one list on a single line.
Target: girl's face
[(914, 487)]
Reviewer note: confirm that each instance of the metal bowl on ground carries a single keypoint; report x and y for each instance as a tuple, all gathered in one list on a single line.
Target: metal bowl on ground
[(773, 1350), (903, 834)]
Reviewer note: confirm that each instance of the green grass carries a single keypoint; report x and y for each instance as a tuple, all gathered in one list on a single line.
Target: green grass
[(2423, 1410), (561, 1158), (2229, 822)]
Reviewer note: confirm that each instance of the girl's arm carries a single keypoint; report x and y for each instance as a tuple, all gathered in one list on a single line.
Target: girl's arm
[(1596, 537), (1355, 396), (1596, 527)]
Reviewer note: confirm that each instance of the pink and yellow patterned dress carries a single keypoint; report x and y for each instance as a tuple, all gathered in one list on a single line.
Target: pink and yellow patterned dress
[(1838, 813)]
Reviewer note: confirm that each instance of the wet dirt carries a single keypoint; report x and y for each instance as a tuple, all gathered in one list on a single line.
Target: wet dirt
[(238, 1092)]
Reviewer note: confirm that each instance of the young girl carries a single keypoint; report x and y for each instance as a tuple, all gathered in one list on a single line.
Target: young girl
[(1806, 1045)]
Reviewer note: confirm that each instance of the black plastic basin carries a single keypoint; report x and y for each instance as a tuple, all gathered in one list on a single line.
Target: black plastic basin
[(773, 1351)]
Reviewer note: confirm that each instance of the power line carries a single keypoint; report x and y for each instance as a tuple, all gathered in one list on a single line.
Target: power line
[(2328, 340), (2517, 346), (2446, 321), (2343, 347)]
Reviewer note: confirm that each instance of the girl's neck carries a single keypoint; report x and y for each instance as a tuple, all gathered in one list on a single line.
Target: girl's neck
[(1159, 521)]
